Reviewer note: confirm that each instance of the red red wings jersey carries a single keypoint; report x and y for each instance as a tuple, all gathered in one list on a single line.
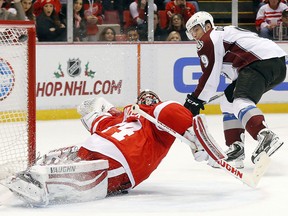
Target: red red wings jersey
[(267, 16), (186, 12), (226, 50), (136, 142)]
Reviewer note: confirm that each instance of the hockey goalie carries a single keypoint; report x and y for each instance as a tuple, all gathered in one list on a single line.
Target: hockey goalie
[(123, 150)]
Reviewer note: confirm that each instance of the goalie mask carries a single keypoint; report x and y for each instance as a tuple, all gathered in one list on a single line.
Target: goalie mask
[(148, 98)]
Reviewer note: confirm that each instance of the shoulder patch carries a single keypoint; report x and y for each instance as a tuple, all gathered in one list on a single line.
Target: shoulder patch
[(200, 44)]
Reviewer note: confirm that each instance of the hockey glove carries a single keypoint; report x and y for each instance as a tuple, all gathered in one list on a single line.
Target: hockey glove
[(193, 104), (229, 91)]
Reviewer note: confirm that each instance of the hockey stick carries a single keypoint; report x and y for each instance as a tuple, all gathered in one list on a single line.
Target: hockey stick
[(213, 150), (214, 98)]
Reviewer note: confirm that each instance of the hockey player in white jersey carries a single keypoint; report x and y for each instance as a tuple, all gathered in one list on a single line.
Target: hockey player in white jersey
[(254, 65)]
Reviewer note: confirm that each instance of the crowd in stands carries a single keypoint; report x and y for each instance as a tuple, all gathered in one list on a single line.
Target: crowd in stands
[(94, 20), (127, 20)]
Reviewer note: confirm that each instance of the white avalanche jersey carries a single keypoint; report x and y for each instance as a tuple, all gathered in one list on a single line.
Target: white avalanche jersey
[(225, 51)]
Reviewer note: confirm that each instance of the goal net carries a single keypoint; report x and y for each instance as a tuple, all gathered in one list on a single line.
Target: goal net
[(17, 95)]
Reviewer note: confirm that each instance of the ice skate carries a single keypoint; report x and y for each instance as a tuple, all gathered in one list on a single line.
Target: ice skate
[(268, 142), (236, 154), (27, 189)]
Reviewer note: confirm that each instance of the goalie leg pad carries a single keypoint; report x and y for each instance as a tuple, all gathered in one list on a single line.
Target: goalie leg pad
[(62, 183), (205, 138), (77, 182)]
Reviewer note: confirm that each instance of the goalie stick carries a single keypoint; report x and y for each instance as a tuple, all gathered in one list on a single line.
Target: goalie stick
[(214, 151)]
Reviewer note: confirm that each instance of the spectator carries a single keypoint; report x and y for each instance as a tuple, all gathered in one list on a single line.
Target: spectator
[(108, 34), (174, 36), (79, 22), (48, 25), (7, 15), (182, 7), (132, 34), (139, 11), (285, 18), (177, 23), (114, 5), (93, 12), (126, 4), (28, 9), (262, 2), (268, 17), (280, 32), (159, 33), (38, 6), (259, 3), (160, 4)]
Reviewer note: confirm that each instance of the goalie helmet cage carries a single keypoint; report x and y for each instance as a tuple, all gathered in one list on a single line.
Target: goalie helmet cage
[(17, 95)]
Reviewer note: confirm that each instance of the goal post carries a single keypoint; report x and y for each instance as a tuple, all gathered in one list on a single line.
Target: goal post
[(17, 95)]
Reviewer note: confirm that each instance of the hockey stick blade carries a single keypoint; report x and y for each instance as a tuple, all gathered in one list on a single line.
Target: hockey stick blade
[(261, 167)]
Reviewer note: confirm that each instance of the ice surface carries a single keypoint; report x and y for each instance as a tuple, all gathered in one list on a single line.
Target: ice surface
[(180, 186)]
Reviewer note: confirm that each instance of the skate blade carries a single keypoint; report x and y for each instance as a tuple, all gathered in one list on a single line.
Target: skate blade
[(256, 158), (272, 152)]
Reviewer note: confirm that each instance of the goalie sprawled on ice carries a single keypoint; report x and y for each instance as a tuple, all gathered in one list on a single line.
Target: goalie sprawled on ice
[(123, 150)]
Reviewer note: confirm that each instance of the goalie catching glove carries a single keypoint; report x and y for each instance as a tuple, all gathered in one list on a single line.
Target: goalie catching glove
[(92, 108)]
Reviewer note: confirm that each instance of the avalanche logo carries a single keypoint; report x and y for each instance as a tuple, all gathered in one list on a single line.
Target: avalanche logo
[(7, 79)]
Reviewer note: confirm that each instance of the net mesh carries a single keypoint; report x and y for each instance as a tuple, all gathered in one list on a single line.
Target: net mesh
[(14, 130)]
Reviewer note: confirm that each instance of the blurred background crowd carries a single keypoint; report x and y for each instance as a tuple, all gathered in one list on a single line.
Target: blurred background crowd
[(128, 20)]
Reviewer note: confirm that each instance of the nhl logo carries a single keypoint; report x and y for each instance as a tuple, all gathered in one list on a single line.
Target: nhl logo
[(74, 67)]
